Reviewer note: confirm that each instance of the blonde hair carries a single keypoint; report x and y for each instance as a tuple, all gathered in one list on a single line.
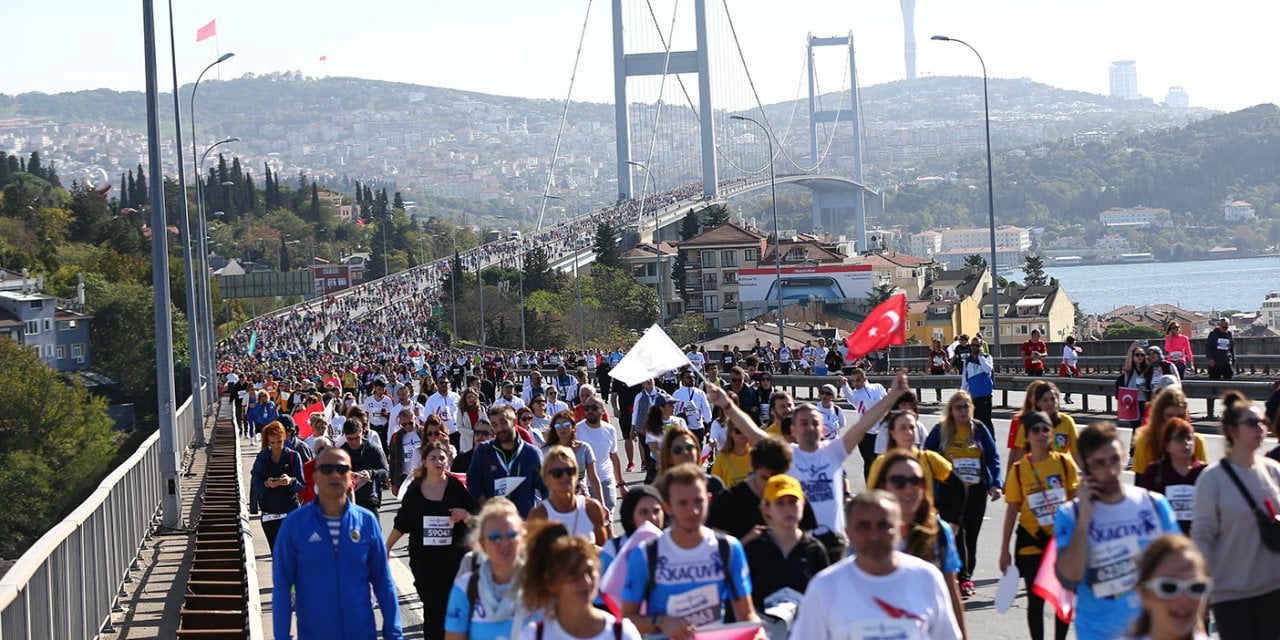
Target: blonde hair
[(947, 428), (493, 508), (557, 452)]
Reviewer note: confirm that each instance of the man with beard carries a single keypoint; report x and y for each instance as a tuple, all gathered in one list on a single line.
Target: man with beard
[(1102, 533), (879, 592), (506, 467)]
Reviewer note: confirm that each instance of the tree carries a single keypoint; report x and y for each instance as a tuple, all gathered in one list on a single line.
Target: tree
[(689, 229), (538, 275), (1033, 268), (880, 293), (606, 246), (1125, 331), (975, 262), (122, 337), (715, 215), (688, 328), (50, 426)]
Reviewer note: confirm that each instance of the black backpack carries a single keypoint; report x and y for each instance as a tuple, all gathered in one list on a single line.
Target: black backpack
[(651, 555)]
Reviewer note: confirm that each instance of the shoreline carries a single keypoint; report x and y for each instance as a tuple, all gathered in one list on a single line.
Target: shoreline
[(1095, 263)]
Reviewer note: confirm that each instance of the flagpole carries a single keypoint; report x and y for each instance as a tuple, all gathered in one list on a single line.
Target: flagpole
[(217, 49)]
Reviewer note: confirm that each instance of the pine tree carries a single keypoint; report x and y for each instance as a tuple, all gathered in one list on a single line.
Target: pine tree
[(33, 165), (975, 262), (1033, 268), (314, 214), (124, 193), (130, 193), (715, 215), (398, 202), (606, 246), (141, 197), (538, 275), (4, 169)]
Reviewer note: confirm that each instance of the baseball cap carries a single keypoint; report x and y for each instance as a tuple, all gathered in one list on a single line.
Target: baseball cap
[(661, 401), (782, 485), (508, 383), (1164, 382), (828, 388)]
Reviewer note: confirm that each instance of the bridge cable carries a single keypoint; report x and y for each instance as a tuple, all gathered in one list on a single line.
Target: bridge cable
[(657, 114), (564, 116)]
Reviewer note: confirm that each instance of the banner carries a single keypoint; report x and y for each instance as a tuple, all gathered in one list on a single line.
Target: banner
[(253, 342), (208, 31), (1127, 405), (831, 283), (653, 355)]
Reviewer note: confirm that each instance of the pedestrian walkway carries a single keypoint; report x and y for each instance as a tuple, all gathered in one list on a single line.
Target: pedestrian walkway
[(151, 601)]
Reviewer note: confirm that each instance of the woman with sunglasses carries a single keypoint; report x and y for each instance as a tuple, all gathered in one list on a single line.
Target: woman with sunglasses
[(582, 515), (1173, 585), (1175, 473), (1229, 497), (484, 602), (561, 578), (524, 423), (469, 413), (733, 461), (968, 445), (680, 446), (1136, 374), (1040, 482), (660, 420), (564, 433), (903, 429), (927, 537), (434, 513), (1167, 405)]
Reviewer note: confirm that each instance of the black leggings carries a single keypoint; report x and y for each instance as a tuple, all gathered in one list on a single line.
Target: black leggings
[(1256, 617), (433, 584), (1028, 566), (867, 447), (975, 507), (270, 528)]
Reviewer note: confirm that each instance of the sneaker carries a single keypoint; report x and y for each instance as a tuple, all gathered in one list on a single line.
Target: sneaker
[(1067, 400), (967, 589), (631, 466)]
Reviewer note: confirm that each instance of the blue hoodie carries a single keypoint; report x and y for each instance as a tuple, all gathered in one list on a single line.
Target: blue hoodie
[(321, 574)]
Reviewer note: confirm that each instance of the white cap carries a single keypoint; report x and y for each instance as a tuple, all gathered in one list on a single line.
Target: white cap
[(1164, 382), (232, 378)]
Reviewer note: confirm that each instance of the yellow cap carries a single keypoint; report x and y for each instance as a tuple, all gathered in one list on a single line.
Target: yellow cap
[(782, 485)]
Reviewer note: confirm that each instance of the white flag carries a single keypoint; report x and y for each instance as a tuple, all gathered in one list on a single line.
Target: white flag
[(653, 355)]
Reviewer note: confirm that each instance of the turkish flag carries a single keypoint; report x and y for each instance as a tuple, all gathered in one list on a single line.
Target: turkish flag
[(885, 326), (208, 31), (1127, 401), (302, 418)]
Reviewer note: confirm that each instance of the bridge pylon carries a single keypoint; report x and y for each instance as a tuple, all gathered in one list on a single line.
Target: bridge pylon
[(831, 208)]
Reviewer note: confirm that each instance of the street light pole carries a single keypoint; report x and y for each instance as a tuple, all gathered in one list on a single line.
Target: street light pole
[(520, 267), (197, 357), (777, 239), (657, 240), (577, 284), (205, 292), (991, 203)]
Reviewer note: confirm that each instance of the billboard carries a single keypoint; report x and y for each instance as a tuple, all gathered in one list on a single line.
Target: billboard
[(833, 284), (264, 284)]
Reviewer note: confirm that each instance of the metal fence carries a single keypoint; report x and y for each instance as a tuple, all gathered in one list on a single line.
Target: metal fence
[(67, 583)]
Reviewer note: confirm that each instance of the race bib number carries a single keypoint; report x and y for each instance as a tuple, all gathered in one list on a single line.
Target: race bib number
[(1113, 567), (884, 629), (1180, 497), (697, 606), (1224, 344), (437, 531), (1176, 356), (938, 361), (969, 469), (242, 394), (1043, 504), (502, 487)]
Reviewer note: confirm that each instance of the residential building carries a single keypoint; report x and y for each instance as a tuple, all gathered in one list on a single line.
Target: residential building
[(1024, 309), (1007, 236), (1177, 98), (712, 260), (907, 273), (942, 318), (1135, 217), (1238, 211), (643, 262), (1158, 316), (926, 243), (60, 336), (330, 277), (1271, 310), (1124, 80), (1006, 258)]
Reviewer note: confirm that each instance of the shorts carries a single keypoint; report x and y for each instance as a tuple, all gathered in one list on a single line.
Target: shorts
[(1068, 371), (624, 425), (1221, 373)]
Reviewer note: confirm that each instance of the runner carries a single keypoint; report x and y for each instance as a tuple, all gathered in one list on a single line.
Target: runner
[(561, 577), (1034, 352)]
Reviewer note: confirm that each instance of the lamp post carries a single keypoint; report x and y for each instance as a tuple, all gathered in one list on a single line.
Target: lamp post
[(777, 239), (991, 202), (577, 285), (202, 262), (657, 239), (520, 268)]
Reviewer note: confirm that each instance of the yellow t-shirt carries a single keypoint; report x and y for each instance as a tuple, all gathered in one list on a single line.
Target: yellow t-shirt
[(774, 429), (1064, 436), (731, 468), (1040, 488), (965, 456), (1142, 457), (935, 467)]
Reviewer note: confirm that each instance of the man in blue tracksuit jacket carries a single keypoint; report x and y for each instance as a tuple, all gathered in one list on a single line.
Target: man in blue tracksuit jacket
[(506, 467), (329, 552)]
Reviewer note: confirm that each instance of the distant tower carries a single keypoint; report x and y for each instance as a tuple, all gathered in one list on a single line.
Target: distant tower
[(909, 36), (1177, 98), (1124, 80)]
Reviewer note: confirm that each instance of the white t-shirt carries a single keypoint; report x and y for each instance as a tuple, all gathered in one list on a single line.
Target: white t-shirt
[(411, 448), (603, 441), (444, 406), (862, 398), (374, 407), (552, 631), (821, 474), (847, 603), (832, 421)]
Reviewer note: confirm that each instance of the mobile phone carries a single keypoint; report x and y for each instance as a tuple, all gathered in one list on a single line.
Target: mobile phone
[(1144, 343)]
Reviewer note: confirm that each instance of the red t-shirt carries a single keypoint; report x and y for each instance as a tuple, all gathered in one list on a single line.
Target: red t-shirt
[(1030, 361)]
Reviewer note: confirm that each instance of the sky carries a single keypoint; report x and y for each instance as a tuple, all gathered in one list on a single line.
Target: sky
[(527, 48)]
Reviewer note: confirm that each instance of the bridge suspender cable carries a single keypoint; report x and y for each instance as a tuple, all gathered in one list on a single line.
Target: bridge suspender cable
[(564, 116)]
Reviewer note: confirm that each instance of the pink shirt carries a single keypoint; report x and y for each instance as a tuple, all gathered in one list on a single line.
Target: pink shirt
[(1179, 343)]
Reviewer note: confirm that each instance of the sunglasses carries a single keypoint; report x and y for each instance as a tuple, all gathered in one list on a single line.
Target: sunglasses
[(560, 472), (433, 434), (525, 418), (483, 434), (330, 469), (901, 482), (1040, 428), (682, 449), (592, 407), (563, 425), (1170, 588), (497, 536)]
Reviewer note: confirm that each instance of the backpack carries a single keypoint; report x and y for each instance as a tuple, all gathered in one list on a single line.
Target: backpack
[(651, 555)]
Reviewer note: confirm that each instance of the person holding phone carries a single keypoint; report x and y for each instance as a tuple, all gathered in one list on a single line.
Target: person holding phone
[(1101, 534)]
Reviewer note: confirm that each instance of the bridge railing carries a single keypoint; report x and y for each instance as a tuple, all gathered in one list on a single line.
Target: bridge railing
[(67, 584)]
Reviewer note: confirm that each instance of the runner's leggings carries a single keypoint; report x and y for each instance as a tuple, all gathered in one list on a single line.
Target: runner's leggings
[(1028, 565), (975, 507), (1256, 617)]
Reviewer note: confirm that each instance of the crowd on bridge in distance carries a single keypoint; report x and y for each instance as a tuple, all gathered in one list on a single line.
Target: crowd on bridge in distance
[(506, 479)]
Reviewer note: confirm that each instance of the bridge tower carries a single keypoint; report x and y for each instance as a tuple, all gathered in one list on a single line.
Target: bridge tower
[(626, 65), (832, 207)]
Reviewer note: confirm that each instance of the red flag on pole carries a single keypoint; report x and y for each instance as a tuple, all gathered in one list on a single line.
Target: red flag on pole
[(208, 31), (1047, 586), (323, 58), (885, 326)]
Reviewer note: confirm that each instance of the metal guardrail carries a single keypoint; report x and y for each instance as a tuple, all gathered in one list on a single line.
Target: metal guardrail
[(69, 582)]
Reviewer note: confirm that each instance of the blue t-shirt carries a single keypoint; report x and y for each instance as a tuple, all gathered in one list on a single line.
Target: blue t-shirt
[(950, 557), (1106, 601), (477, 626), (688, 583)]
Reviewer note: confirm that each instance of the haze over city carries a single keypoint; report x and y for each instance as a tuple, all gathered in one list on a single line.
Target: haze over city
[(527, 49)]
